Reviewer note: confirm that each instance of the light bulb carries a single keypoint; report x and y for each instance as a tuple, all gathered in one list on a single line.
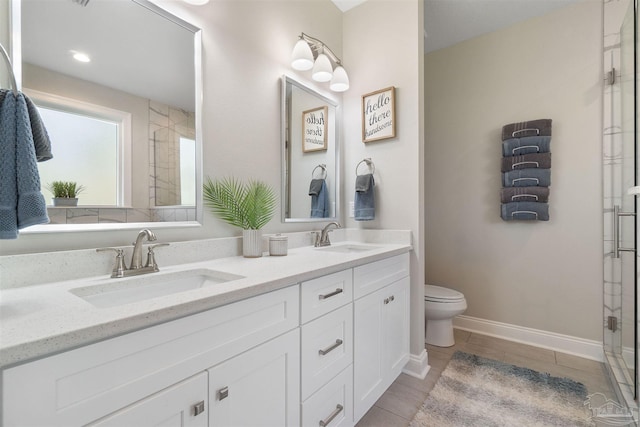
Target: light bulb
[(322, 70), (302, 57), (340, 80)]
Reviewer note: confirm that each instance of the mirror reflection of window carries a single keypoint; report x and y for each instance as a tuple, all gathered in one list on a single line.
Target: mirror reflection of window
[(85, 150), (187, 171)]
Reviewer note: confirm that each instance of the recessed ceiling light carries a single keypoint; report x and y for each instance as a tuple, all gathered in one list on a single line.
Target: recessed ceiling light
[(196, 2), (81, 57)]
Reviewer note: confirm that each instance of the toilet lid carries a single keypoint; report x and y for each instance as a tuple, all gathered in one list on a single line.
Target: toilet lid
[(438, 293)]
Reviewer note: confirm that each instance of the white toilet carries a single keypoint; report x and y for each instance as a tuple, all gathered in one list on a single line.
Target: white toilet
[(441, 305)]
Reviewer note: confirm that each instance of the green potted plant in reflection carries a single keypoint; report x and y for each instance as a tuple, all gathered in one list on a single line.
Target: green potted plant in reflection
[(248, 205), (65, 193)]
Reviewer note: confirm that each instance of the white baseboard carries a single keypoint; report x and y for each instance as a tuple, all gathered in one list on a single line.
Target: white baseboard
[(588, 349), (417, 366)]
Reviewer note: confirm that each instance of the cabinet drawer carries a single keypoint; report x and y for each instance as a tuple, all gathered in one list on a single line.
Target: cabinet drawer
[(332, 405), (327, 348), (81, 385), (371, 277), (321, 295)]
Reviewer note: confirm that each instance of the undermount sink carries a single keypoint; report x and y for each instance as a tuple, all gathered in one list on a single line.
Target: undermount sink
[(117, 292), (348, 248)]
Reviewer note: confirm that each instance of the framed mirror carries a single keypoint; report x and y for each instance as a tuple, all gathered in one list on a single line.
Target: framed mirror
[(310, 154), (124, 119)]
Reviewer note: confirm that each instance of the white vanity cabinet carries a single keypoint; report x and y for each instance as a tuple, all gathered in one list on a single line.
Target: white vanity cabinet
[(131, 374), (381, 328)]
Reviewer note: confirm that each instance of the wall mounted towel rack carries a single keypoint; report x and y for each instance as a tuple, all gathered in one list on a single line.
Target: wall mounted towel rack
[(5, 55), (369, 163), (323, 171)]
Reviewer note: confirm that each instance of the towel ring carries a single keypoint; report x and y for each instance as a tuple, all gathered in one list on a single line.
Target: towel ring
[(369, 163), (324, 170), (5, 55)]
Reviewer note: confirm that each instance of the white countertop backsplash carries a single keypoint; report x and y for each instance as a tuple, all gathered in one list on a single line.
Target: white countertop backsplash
[(39, 315)]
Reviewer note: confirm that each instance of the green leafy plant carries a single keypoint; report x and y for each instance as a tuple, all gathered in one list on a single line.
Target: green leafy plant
[(65, 189), (249, 205)]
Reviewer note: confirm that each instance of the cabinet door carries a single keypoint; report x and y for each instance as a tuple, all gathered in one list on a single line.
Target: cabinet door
[(395, 323), (368, 369), (381, 342), (181, 405), (260, 387)]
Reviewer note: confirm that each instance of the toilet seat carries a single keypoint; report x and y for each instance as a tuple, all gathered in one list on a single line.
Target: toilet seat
[(439, 294)]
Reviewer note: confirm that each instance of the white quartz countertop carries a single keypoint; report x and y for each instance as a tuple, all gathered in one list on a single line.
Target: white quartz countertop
[(41, 320)]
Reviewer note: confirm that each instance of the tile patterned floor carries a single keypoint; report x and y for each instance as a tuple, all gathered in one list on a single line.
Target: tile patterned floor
[(401, 401)]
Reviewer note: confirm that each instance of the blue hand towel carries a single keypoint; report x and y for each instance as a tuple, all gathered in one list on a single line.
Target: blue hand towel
[(8, 179), (527, 178), (364, 204), (41, 140), (526, 145), (524, 211), (319, 198), (21, 202)]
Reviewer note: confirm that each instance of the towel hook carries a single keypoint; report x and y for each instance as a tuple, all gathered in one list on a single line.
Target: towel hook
[(5, 55), (324, 170), (369, 163)]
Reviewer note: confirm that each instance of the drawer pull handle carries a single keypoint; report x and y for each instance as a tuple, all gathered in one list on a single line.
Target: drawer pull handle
[(332, 347), (223, 393), (330, 294), (198, 408), (326, 421), (388, 300)]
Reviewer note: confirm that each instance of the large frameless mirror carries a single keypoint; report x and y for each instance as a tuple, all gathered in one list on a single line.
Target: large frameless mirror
[(116, 83), (310, 154)]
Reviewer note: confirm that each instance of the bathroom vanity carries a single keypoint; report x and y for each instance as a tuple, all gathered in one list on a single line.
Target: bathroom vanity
[(313, 338)]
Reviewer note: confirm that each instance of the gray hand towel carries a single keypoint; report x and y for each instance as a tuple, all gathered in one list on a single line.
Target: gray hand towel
[(315, 186), (524, 211), (364, 204), (41, 140), (524, 194), (526, 145), (539, 127), (527, 178), (535, 160)]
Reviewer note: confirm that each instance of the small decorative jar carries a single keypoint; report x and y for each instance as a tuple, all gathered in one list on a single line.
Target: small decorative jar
[(278, 245)]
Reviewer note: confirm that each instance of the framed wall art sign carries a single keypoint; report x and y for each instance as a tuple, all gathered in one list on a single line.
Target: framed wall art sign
[(314, 129), (378, 115)]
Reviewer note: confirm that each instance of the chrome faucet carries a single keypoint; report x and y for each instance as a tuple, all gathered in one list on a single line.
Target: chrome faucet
[(120, 268), (136, 257), (322, 238)]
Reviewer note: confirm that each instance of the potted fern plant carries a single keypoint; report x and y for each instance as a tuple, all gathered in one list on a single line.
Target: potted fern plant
[(248, 205), (65, 193)]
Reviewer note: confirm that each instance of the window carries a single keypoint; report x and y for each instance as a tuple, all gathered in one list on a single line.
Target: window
[(88, 144)]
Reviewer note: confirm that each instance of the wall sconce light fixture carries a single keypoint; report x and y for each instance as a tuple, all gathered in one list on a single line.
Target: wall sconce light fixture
[(312, 54)]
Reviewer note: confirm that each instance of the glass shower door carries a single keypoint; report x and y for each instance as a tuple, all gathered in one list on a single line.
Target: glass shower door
[(620, 165)]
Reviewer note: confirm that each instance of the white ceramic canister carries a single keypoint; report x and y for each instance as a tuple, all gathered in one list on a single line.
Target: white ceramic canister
[(278, 245)]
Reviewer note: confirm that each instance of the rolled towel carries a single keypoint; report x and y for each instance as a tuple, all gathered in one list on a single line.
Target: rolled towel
[(524, 211), (527, 145), (524, 194), (535, 160), (539, 127), (527, 178), (364, 204)]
